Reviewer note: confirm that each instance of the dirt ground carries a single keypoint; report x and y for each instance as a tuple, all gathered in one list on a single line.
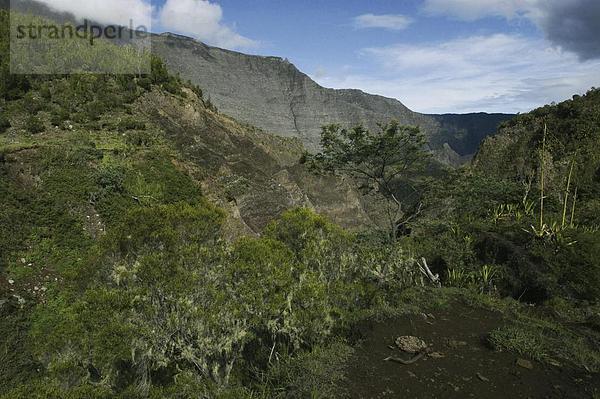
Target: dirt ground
[(469, 368)]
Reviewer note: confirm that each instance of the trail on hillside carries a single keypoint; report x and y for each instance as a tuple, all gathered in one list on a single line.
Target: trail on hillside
[(469, 368)]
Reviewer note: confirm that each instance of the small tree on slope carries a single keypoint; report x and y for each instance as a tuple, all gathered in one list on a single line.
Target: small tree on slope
[(377, 160)]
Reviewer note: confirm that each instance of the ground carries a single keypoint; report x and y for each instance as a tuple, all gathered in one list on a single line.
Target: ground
[(470, 368)]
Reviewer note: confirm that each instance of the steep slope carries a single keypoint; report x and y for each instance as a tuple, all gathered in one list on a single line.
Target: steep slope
[(548, 247), (255, 175), (573, 136), (271, 93)]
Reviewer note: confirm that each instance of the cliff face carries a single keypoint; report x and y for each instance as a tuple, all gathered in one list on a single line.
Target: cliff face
[(273, 94), (253, 175)]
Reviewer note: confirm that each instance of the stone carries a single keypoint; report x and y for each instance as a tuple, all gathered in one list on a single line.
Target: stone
[(410, 344), (526, 364)]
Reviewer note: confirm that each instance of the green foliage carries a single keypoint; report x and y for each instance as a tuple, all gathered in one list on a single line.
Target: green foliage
[(315, 374), (546, 341), (161, 77), (452, 249), (138, 138), (50, 389), (34, 125), (4, 122), (175, 298), (130, 123), (298, 228), (16, 365), (376, 159), (59, 116), (72, 54)]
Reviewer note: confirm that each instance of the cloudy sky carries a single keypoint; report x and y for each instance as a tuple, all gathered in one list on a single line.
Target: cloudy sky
[(433, 55)]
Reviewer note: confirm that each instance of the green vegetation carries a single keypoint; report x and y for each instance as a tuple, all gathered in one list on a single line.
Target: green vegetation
[(379, 161), (4, 123)]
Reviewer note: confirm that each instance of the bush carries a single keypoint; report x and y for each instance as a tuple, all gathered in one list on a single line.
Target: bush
[(140, 139), (318, 373), (110, 179), (129, 123), (4, 123), (59, 116), (33, 103), (34, 125)]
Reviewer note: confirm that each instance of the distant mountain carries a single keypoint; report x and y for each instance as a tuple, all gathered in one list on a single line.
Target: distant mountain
[(464, 132), (271, 93)]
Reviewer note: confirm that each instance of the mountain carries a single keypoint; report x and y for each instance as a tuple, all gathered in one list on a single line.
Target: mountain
[(271, 93)]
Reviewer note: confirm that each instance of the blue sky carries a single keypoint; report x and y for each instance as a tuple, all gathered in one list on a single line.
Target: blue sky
[(433, 55)]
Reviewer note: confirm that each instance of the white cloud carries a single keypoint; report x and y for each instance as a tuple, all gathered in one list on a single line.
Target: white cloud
[(496, 73), (471, 10), (202, 20), (119, 12), (569, 24), (386, 21)]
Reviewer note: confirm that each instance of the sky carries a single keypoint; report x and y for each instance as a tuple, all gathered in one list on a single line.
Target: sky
[(435, 56)]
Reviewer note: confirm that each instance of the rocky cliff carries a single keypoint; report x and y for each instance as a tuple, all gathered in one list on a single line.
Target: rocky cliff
[(271, 93)]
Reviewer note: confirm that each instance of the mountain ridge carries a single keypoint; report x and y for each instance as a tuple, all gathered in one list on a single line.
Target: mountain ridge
[(272, 93)]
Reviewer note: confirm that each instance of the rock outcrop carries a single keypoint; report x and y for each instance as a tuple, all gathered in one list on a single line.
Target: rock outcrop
[(254, 175)]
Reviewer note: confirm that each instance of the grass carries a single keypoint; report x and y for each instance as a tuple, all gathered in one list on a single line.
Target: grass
[(315, 374), (548, 342)]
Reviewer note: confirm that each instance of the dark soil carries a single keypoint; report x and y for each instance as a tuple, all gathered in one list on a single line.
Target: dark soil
[(469, 368)]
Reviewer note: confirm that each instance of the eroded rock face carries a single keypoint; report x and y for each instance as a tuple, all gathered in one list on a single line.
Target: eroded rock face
[(271, 93), (255, 176)]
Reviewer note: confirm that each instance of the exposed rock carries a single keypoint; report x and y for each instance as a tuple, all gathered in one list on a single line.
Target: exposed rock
[(271, 93), (410, 344), (526, 364), (254, 175)]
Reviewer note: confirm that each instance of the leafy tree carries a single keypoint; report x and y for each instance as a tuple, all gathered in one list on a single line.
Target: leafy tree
[(378, 160)]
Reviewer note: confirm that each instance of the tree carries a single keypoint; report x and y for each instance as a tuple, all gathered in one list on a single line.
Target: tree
[(377, 160)]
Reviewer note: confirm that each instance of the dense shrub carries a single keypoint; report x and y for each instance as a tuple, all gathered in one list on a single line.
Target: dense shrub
[(59, 116), (176, 298), (4, 122), (130, 123), (34, 125)]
